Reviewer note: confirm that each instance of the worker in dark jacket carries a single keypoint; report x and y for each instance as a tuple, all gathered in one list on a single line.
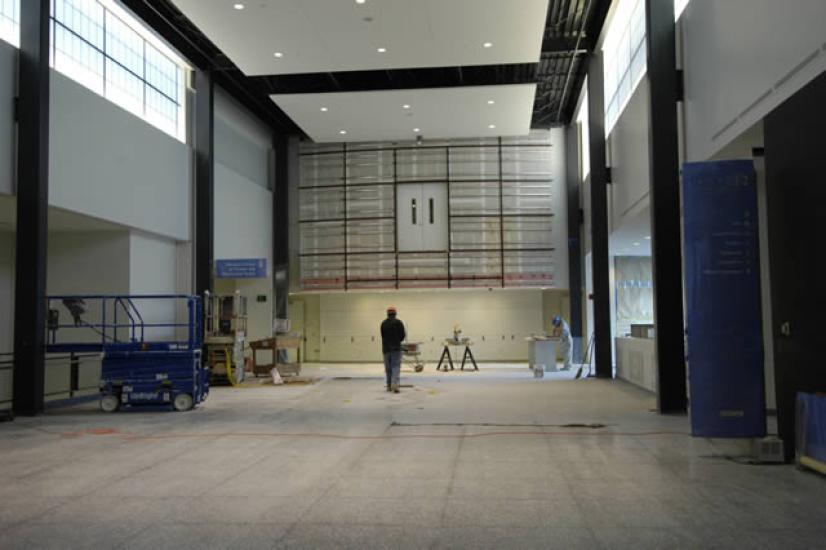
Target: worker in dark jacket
[(392, 336)]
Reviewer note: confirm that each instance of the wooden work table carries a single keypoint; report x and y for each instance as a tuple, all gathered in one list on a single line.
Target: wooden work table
[(274, 344)]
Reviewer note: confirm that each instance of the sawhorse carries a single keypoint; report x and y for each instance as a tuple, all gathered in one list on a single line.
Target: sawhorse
[(465, 356)]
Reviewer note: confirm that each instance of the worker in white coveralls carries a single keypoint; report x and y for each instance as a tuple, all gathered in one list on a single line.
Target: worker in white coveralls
[(566, 345)]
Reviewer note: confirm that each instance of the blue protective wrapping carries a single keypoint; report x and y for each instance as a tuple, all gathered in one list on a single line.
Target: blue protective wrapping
[(722, 276), (811, 429)]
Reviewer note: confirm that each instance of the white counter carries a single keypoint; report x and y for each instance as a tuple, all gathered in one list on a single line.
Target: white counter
[(637, 362), (542, 351)]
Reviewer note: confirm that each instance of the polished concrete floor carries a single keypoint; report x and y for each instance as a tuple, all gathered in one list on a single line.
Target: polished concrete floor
[(458, 460)]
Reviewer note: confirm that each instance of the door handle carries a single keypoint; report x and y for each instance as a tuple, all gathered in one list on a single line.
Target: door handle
[(413, 210), (430, 201), (786, 329)]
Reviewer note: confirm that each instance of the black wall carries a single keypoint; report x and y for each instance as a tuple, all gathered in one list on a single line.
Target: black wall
[(795, 153)]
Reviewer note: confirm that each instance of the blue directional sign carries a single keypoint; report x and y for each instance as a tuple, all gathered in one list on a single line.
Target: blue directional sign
[(249, 268)]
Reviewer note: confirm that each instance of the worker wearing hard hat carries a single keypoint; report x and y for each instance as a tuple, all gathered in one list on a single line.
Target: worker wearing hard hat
[(566, 347), (392, 336)]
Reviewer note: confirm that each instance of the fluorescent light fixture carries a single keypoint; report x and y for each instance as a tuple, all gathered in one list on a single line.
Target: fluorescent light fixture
[(342, 132), (647, 237), (238, 6), (636, 244), (405, 106), (492, 126), (487, 45), (381, 50), (278, 54), (324, 109), (491, 102), (417, 130), (360, 1)]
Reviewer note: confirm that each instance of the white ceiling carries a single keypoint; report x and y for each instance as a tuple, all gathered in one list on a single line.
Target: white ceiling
[(436, 112), (332, 35)]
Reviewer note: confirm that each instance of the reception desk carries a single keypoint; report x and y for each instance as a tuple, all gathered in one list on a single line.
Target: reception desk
[(542, 351), (637, 362)]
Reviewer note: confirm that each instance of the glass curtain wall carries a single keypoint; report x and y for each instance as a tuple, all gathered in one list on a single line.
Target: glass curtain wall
[(102, 50), (500, 214)]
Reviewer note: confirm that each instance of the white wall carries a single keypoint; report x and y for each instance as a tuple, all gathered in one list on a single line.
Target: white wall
[(242, 143), (109, 164), (559, 201), (153, 270), (86, 262), (8, 80), (629, 154), (497, 322), (243, 205), (243, 217), (742, 58)]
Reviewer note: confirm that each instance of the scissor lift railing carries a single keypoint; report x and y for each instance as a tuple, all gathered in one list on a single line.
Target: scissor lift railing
[(117, 323)]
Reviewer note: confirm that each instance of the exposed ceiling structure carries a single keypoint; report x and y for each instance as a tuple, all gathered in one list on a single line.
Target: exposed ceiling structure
[(281, 47)]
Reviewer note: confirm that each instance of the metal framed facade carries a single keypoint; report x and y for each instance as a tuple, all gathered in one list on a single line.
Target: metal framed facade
[(499, 219)]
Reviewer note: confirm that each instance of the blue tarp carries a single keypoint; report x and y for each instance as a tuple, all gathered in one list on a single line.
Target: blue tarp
[(811, 426), (722, 275)]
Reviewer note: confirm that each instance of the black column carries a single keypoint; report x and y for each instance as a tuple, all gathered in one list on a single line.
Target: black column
[(32, 208), (204, 180), (665, 206), (599, 219), (573, 181), (280, 225)]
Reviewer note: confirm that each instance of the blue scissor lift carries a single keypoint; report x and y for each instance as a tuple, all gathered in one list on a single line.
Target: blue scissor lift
[(136, 370)]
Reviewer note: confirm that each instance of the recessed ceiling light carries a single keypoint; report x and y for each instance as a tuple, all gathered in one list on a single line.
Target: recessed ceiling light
[(647, 237), (381, 50), (360, 1), (324, 109), (487, 44), (491, 126), (405, 106), (342, 132), (636, 244), (491, 102), (417, 130), (238, 6), (278, 54)]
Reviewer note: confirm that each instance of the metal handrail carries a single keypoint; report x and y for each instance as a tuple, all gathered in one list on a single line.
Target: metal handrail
[(135, 324)]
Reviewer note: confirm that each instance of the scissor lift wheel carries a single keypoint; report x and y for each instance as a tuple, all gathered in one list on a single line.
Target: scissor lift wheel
[(109, 403), (182, 402)]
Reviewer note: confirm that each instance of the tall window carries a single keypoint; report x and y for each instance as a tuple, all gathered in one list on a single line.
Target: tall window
[(10, 21), (625, 57), (97, 44)]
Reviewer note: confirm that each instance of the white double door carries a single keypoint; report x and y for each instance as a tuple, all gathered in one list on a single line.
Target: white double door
[(421, 217)]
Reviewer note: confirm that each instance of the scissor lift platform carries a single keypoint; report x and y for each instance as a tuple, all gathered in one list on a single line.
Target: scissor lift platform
[(136, 371)]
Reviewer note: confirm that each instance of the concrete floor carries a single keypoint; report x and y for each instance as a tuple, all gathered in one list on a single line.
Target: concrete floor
[(461, 460)]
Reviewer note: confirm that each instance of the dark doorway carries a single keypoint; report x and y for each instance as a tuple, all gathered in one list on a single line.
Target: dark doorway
[(795, 148)]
